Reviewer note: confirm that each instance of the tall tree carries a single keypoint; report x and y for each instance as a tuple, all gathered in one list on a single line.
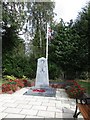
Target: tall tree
[(42, 14), (12, 22), (64, 48), (70, 44), (13, 19), (82, 25)]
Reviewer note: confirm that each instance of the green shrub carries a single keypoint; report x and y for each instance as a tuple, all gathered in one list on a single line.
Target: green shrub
[(75, 90), (19, 66), (54, 71), (12, 85), (84, 75), (7, 77)]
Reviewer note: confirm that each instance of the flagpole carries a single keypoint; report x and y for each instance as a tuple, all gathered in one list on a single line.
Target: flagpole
[(47, 43)]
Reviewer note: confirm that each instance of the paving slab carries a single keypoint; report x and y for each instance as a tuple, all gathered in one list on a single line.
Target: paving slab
[(8, 104), (2, 115), (21, 101), (68, 110), (43, 100), (15, 116), (28, 106), (54, 109), (2, 108), (12, 110), (58, 115), (67, 115), (39, 107), (49, 104), (29, 112), (34, 117), (46, 114), (34, 103)]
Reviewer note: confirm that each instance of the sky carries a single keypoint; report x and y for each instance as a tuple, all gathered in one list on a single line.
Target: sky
[(68, 9)]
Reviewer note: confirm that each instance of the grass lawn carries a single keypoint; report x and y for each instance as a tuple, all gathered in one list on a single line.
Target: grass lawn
[(86, 85)]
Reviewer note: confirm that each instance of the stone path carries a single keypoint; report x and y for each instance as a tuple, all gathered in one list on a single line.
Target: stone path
[(22, 106)]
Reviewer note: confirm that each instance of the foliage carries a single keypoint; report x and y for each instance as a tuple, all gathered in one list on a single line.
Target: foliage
[(25, 82), (18, 17), (7, 77), (75, 90), (54, 71), (19, 66), (24, 77), (11, 24), (12, 44), (12, 85), (14, 15), (64, 48), (84, 75), (85, 84), (69, 48), (45, 14), (11, 41)]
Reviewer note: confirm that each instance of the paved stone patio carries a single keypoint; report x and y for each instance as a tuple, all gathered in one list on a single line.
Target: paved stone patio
[(17, 105)]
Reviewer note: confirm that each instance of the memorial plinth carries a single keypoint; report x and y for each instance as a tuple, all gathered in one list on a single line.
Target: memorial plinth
[(41, 87)]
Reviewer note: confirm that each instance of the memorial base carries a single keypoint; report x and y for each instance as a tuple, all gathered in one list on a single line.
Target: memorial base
[(44, 91)]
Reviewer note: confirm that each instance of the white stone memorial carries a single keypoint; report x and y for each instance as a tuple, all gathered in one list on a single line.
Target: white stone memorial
[(42, 79), (41, 87)]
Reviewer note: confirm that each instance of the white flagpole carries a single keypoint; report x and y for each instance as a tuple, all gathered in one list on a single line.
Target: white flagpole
[(47, 43)]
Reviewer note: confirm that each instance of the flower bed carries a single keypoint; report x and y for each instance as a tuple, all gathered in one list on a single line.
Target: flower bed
[(75, 90), (12, 86)]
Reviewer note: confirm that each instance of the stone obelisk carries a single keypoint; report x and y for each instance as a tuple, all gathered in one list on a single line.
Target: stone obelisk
[(42, 79)]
